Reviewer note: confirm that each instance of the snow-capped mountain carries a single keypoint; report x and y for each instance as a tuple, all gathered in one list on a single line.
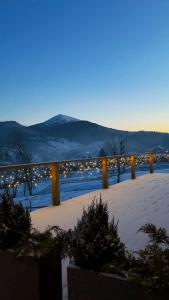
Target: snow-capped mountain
[(58, 120), (64, 137)]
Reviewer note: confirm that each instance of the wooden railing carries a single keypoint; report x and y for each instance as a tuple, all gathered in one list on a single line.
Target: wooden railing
[(55, 166)]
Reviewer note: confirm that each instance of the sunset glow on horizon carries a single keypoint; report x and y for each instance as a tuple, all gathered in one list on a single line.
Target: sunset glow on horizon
[(102, 61)]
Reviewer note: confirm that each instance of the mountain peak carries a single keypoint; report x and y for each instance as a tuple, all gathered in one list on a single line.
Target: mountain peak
[(9, 123), (59, 120)]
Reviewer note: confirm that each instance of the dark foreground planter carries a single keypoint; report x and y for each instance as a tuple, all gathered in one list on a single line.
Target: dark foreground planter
[(88, 285), (29, 279)]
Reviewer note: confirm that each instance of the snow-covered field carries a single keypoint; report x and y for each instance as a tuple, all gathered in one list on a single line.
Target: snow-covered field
[(77, 184), (132, 202)]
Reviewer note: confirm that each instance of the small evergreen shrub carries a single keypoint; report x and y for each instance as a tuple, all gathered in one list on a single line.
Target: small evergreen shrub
[(94, 241), (15, 222), (40, 244), (17, 234), (151, 267), (94, 244)]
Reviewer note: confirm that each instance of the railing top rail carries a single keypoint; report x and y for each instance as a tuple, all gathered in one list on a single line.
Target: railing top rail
[(49, 164)]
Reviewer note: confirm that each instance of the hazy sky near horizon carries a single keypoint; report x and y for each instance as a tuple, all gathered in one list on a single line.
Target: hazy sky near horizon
[(106, 61)]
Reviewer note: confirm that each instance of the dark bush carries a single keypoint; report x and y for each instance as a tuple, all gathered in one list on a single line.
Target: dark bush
[(94, 241), (151, 267), (39, 244), (15, 222), (16, 233)]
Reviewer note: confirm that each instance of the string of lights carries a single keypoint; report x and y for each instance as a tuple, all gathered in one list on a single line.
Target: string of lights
[(15, 178)]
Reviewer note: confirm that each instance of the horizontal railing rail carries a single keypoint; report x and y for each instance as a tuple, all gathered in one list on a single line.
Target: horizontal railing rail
[(104, 166), (50, 163)]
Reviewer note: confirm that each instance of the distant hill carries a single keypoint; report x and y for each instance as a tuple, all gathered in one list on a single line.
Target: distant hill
[(63, 137), (80, 131)]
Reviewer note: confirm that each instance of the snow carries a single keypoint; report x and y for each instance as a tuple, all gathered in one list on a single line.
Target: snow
[(59, 120), (132, 202), (61, 149), (76, 184), (57, 148)]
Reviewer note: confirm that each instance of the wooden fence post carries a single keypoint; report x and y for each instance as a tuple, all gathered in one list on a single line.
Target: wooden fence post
[(105, 174), (55, 185), (132, 166), (151, 163)]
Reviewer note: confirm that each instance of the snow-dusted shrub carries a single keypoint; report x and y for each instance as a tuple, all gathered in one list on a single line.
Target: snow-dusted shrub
[(94, 241), (15, 222), (151, 267), (95, 245), (16, 233), (39, 244)]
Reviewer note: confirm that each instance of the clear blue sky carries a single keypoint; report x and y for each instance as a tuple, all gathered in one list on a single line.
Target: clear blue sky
[(102, 60)]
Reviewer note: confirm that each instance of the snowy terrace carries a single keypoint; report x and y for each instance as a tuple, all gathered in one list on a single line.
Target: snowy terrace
[(132, 202)]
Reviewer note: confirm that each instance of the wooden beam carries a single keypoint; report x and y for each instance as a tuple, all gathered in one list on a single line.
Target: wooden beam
[(133, 166), (55, 184), (151, 163), (105, 175)]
